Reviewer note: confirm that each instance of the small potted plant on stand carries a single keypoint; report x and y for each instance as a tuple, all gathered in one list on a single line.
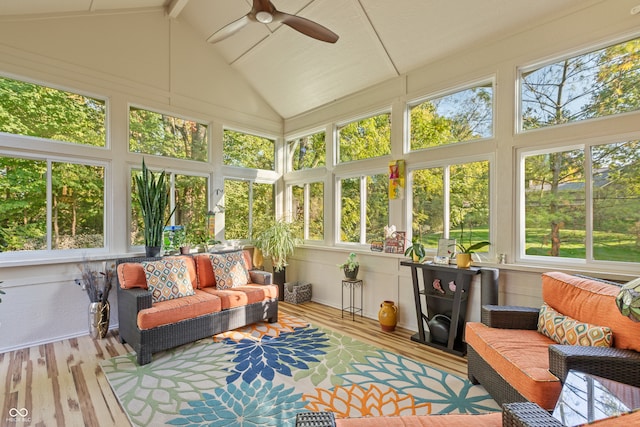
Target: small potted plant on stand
[(350, 267), (463, 256), (416, 251)]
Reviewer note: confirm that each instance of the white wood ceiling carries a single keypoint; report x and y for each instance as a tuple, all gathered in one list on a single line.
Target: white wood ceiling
[(379, 39)]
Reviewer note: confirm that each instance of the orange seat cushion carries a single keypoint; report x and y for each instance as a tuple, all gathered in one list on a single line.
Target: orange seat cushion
[(239, 296), (593, 302), (175, 310), (520, 357), (458, 420)]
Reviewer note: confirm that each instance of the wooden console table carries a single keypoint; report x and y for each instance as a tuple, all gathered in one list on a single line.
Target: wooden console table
[(445, 290)]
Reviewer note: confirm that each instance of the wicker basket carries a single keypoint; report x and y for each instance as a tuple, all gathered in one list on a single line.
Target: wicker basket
[(297, 292)]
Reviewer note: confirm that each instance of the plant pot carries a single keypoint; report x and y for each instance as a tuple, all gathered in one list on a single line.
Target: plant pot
[(152, 251), (258, 259), (185, 250), (351, 274), (388, 316), (463, 260)]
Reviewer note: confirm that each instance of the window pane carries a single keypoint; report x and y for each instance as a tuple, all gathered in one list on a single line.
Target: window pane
[(263, 207), (191, 206), (461, 116), (23, 204), (350, 210), (596, 84), (469, 203), (377, 206), (297, 208), (236, 208), (39, 111), (307, 152), (365, 139), (616, 201), (77, 211), (554, 191), (248, 151), (428, 206), (316, 211), (167, 136)]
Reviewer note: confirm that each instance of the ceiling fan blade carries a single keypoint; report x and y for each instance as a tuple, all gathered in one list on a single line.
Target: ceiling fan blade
[(307, 27), (229, 29)]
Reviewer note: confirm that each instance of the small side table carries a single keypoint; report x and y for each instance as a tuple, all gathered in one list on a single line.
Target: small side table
[(352, 284)]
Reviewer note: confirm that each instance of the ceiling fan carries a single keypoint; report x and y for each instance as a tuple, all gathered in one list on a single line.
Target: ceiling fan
[(265, 12)]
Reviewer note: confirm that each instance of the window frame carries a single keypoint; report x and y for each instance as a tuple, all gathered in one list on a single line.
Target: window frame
[(306, 186), (107, 214), (414, 102), (520, 218)]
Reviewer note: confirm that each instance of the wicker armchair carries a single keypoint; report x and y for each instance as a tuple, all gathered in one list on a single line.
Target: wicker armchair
[(616, 364)]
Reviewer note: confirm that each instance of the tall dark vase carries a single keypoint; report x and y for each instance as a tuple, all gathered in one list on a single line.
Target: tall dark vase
[(279, 279), (152, 251)]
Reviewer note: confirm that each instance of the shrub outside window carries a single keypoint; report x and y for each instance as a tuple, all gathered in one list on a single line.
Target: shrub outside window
[(308, 209), (364, 208), (451, 201), (307, 152), (39, 111), (167, 136), (461, 116), (51, 205), (249, 208), (572, 213), (248, 151), (365, 139), (595, 84)]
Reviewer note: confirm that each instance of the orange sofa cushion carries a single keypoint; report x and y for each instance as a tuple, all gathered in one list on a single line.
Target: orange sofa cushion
[(175, 310), (592, 302), (520, 357), (458, 420), (239, 296), (132, 275)]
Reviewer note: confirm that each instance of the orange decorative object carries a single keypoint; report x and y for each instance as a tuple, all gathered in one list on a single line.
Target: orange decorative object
[(388, 316)]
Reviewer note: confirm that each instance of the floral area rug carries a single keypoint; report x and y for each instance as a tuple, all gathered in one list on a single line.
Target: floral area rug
[(264, 374)]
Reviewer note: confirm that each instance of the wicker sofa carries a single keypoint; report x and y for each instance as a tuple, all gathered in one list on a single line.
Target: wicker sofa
[(150, 326), (516, 363)]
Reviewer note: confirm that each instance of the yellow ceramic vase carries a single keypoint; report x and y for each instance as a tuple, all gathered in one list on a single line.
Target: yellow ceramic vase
[(388, 316)]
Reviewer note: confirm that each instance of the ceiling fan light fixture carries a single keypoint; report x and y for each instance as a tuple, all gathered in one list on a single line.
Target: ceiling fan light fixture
[(264, 17)]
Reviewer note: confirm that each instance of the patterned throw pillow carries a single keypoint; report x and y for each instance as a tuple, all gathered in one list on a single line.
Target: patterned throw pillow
[(565, 330), (628, 300), (229, 269), (167, 279)]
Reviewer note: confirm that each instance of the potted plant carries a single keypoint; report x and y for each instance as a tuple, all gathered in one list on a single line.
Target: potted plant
[(463, 256), (350, 267), (180, 240), (278, 241), (416, 251), (153, 195)]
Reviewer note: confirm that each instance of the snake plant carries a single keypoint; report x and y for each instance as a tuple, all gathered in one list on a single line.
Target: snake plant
[(153, 195)]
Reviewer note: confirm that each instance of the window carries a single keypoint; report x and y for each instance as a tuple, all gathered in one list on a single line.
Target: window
[(364, 208), (461, 116), (365, 139), (162, 135), (307, 152), (39, 111), (595, 84), (249, 207), (248, 151), (583, 203), (50, 204), (451, 201), (190, 201), (308, 209)]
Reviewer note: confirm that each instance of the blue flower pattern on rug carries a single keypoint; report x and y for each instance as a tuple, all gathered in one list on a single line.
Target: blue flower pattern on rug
[(268, 380)]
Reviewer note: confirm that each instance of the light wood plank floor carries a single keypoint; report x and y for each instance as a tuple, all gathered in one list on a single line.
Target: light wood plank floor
[(61, 384)]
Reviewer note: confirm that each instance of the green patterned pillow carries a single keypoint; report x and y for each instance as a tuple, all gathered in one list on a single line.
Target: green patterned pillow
[(229, 269), (628, 300), (566, 330), (167, 279)]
